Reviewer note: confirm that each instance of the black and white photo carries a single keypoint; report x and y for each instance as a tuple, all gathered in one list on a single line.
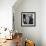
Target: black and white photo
[(28, 19)]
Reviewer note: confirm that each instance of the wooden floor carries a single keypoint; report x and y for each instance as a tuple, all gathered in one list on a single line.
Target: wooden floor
[(9, 43)]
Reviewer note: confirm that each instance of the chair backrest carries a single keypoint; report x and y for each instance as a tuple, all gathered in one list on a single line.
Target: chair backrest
[(29, 43), (18, 37)]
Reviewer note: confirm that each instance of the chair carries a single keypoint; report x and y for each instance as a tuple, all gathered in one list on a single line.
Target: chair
[(18, 39), (29, 43)]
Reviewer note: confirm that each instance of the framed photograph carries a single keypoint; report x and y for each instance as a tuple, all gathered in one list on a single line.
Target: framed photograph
[(28, 19)]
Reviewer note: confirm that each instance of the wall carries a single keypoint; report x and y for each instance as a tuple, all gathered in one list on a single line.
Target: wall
[(32, 33), (6, 13), (43, 22)]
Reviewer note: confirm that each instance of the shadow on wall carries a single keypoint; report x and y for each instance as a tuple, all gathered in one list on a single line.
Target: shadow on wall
[(18, 3)]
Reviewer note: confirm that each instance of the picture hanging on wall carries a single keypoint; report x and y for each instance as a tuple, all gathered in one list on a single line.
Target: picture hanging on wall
[(28, 19)]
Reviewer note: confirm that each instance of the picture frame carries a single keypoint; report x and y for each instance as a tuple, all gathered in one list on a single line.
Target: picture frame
[(28, 19)]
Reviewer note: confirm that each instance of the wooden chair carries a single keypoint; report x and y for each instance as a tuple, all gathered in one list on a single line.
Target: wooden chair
[(29, 43), (18, 39)]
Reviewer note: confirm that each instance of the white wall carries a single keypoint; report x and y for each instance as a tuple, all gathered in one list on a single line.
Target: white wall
[(6, 13), (26, 5), (43, 22), (38, 32), (32, 33)]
